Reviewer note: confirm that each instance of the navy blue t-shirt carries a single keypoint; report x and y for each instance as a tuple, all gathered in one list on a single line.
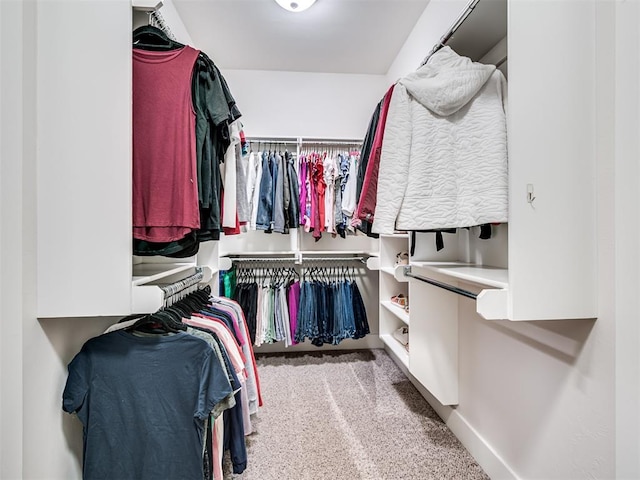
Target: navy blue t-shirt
[(143, 402)]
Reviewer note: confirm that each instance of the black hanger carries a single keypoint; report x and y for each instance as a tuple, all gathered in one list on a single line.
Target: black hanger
[(158, 322), (149, 37)]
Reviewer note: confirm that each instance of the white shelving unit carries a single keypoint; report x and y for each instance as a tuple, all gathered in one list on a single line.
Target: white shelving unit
[(87, 268), (147, 292), (542, 265), (393, 317)]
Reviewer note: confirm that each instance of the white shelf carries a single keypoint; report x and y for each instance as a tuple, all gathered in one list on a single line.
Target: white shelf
[(147, 296), (478, 274), (337, 252), (144, 273), (395, 272), (396, 310), (146, 5), (259, 253), (389, 270), (397, 348)]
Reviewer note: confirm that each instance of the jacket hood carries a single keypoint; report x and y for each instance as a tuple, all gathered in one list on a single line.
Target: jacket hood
[(447, 82)]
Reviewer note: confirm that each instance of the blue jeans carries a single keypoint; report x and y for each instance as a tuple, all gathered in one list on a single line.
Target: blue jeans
[(265, 205)]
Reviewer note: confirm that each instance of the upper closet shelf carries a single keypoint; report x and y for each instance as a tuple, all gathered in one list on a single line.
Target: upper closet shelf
[(144, 273), (477, 274), (148, 294), (492, 303), (146, 5)]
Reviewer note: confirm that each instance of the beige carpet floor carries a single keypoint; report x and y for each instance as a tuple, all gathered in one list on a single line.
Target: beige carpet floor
[(347, 416)]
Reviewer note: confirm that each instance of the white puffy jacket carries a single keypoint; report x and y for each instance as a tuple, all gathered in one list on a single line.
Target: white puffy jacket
[(444, 155)]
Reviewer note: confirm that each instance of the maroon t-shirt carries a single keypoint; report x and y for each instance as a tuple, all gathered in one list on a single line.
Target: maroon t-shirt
[(165, 185)]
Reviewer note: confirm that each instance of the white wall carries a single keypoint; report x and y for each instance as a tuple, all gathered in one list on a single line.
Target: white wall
[(84, 149), (434, 22), (37, 440), (296, 104), (627, 238), (11, 252), (292, 104)]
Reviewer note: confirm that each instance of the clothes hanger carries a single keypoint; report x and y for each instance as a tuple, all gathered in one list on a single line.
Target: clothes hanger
[(148, 37), (161, 322)]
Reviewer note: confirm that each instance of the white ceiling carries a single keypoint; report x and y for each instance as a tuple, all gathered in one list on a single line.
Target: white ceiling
[(333, 36)]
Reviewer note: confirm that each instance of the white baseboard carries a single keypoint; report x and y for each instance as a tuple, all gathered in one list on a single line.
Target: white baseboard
[(484, 454)]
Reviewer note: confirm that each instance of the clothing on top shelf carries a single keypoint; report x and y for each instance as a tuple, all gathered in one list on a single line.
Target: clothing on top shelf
[(165, 195), (445, 142), (367, 202), (165, 395), (365, 154), (324, 178), (185, 127), (316, 191)]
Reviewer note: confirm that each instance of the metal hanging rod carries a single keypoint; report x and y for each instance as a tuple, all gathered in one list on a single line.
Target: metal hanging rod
[(303, 141), (334, 259), (184, 286), (501, 61), (452, 29), (459, 291), (332, 142), (157, 20), (272, 140), (298, 259), (263, 260)]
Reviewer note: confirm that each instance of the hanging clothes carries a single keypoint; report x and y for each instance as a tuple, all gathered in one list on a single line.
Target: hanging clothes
[(165, 193), (330, 312), (365, 154), (215, 109), (325, 307), (350, 165), (368, 195), (194, 360), (446, 143), (323, 178)]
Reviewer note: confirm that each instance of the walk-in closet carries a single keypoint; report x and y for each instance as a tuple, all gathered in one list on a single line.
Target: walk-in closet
[(322, 239)]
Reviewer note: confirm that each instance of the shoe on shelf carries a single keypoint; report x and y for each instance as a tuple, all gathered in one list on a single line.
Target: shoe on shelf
[(402, 258), (402, 335), (400, 300)]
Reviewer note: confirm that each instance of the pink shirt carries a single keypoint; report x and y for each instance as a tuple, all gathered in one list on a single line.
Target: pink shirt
[(226, 337)]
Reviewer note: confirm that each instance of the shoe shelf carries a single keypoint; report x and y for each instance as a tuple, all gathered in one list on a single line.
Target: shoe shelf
[(396, 310), (392, 283), (395, 271), (396, 348)]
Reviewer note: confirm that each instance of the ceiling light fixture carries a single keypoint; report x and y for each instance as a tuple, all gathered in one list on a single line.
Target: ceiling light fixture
[(295, 5)]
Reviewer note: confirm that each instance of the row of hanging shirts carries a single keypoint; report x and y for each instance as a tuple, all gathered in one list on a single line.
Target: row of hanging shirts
[(322, 305), (183, 379), (279, 189)]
